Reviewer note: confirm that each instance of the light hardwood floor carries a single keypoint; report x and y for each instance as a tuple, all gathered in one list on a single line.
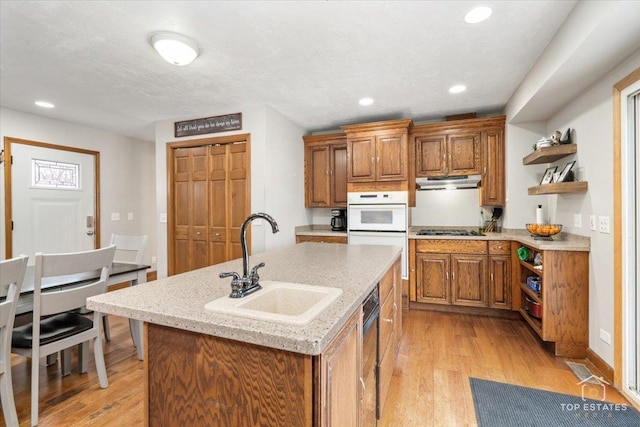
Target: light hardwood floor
[(430, 386)]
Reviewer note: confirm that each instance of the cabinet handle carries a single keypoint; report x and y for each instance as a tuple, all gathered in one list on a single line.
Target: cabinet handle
[(453, 275), (491, 277), (447, 275), (389, 321), (373, 159), (364, 388), (395, 309), (378, 159)]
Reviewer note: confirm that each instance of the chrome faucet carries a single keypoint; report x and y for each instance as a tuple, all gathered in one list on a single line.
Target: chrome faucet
[(249, 282)]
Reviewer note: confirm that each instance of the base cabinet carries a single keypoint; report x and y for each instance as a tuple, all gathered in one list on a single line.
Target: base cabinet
[(472, 273), (559, 311)]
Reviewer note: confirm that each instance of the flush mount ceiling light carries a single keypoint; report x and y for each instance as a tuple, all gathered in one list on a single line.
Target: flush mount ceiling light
[(175, 48), (478, 14), (365, 101), (457, 89), (44, 104)]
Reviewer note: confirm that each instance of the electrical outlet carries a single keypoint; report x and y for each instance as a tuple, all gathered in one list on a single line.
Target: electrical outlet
[(577, 221), (163, 217), (592, 222), (605, 336), (130, 216), (603, 226), (257, 221), (115, 216), (154, 260)]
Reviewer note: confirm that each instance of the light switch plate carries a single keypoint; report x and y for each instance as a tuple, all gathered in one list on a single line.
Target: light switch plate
[(130, 216), (163, 217), (605, 336), (592, 223), (115, 216), (603, 224), (577, 221)]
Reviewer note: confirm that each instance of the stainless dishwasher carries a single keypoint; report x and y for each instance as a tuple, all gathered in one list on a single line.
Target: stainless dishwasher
[(370, 315)]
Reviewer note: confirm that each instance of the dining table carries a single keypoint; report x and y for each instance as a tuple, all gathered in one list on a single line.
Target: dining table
[(120, 272)]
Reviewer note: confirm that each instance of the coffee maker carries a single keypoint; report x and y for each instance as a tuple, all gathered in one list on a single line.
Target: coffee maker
[(338, 220)]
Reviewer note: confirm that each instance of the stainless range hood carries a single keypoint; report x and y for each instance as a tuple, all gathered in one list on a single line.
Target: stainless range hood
[(448, 182)]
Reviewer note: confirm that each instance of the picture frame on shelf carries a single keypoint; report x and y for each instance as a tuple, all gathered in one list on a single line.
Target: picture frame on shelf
[(548, 175), (564, 175)]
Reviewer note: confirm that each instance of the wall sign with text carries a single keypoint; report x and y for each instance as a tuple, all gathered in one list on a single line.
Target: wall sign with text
[(209, 125)]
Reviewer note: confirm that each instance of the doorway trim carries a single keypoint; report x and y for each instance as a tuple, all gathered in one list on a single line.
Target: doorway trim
[(171, 147), (8, 212), (618, 256)]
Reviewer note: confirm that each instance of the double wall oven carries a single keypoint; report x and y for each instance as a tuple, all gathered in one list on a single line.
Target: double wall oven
[(380, 218)]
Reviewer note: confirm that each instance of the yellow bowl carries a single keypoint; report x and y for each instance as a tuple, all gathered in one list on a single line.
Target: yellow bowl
[(544, 230)]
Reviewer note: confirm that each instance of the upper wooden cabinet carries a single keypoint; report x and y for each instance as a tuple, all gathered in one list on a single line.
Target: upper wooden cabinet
[(325, 171), (464, 147), (378, 155), (492, 189), (447, 154)]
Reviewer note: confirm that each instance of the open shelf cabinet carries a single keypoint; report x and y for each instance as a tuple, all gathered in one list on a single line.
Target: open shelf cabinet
[(564, 296)]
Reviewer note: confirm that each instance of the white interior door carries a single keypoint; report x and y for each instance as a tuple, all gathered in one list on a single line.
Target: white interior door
[(53, 200)]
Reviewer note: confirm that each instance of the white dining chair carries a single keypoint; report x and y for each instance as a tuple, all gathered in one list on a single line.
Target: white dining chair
[(129, 249), (56, 326), (11, 277)]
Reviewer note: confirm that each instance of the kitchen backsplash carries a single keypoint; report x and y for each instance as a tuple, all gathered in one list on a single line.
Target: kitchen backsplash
[(447, 208)]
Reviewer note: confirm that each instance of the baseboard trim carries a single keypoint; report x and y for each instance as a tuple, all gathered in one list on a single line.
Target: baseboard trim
[(595, 363)]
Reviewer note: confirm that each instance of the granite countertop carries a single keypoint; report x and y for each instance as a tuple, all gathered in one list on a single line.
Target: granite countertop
[(318, 230), (561, 241), (178, 301)]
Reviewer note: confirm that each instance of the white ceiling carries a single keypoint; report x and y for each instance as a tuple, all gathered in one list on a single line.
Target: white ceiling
[(309, 60)]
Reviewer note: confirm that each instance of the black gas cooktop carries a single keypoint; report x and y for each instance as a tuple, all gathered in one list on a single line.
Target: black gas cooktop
[(446, 232)]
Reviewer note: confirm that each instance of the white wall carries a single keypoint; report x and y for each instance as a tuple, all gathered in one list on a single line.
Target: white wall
[(591, 117), (277, 178), (127, 172)]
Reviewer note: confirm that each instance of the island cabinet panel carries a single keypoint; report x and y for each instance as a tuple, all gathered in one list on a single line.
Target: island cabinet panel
[(201, 380), (339, 372)]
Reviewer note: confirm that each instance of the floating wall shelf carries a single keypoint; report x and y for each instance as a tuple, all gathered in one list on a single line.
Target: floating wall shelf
[(549, 154), (560, 188)]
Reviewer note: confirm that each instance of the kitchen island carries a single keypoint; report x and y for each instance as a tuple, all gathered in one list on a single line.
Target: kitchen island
[(204, 368)]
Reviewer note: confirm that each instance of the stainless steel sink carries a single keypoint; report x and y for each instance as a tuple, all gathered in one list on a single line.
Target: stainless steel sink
[(284, 302)]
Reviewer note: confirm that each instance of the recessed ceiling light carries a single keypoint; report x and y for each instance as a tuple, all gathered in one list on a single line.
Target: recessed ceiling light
[(175, 48), (365, 101), (478, 14), (457, 88), (44, 104)]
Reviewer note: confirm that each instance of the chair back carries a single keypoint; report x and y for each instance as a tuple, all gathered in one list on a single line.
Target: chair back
[(90, 268), (128, 248), (11, 277)]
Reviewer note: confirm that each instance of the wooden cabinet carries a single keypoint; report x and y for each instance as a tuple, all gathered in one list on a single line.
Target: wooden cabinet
[(340, 370), (451, 272), (492, 187), (550, 155), (563, 296), (325, 160), (473, 273), (377, 153), (389, 330), (448, 154), (321, 239), (499, 275), (464, 147)]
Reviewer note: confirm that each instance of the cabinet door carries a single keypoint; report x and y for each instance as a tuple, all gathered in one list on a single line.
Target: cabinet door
[(468, 280), (464, 154), (492, 191), (361, 159), (391, 157), (432, 278), (431, 155), (317, 167), (338, 191), (500, 282), (341, 369)]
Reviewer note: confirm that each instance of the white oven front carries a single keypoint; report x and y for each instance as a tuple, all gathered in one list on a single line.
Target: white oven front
[(377, 217)]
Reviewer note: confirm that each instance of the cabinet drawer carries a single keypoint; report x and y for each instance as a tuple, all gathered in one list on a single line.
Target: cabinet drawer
[(386, 323), (452, 246), (499, 247), (385, 372), (386, 284)]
